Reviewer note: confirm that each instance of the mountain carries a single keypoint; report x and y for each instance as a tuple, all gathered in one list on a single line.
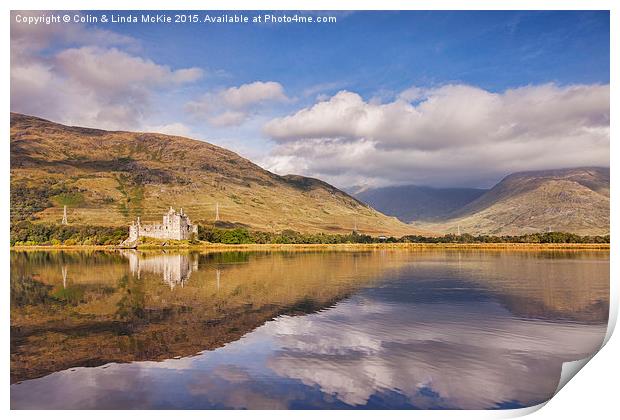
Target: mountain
[(109, 178), (570, 200), (415, 203)]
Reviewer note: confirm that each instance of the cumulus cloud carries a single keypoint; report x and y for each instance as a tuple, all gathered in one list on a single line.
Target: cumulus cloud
[(433, 136), (94, 82), (253, 93), (111, 71), (234, 105)]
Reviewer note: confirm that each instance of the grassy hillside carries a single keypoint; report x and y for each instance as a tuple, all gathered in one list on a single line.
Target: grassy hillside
[(568, 200), (109, 178)]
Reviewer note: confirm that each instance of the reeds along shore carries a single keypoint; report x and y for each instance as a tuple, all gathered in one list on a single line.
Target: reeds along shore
[(336, 247)]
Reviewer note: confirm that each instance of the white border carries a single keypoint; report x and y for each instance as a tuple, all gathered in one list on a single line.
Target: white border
[(593, 394)]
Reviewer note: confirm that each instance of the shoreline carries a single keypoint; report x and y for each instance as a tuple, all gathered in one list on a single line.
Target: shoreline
[(312, 247)]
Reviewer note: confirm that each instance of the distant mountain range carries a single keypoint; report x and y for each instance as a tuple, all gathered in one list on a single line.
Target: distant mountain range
[(414, 203), (571, 200), (109, 178)]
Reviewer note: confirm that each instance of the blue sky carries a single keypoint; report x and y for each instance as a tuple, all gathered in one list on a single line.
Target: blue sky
[(373, 56), (370, 51)]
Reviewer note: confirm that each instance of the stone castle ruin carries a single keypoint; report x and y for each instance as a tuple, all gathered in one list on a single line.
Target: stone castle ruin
[(175, 225)]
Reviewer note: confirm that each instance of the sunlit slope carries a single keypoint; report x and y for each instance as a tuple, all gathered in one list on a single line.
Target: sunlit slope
[(112, 177), (568, 200)]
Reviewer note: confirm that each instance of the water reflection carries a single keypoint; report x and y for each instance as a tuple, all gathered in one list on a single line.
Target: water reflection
[(175, 269), (106, 312), (388, 329), (438, 356)]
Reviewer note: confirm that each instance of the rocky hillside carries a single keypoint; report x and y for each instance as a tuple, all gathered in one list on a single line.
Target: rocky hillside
[(415, 203), (570, 200), (111, 177)]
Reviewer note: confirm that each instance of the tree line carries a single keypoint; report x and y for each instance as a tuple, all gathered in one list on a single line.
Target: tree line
[(28, 233)]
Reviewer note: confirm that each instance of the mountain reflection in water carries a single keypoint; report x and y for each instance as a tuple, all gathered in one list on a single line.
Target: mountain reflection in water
[(373, 329)]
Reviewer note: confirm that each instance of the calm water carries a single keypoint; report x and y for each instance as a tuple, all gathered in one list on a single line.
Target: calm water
[(377, 329)]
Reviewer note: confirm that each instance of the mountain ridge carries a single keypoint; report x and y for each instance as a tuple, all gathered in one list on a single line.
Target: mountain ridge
[(574, 200), (111, 177)]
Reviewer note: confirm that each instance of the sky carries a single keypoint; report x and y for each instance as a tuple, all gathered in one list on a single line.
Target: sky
[(434, 98)]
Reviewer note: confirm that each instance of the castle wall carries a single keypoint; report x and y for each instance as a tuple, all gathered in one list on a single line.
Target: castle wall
[(175, 226)]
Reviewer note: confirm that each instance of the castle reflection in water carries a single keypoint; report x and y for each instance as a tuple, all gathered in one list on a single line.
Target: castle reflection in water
[(174, 269)]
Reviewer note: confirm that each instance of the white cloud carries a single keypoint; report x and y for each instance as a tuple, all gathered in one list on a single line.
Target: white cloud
[(411, 94), (29, 38), (319, 90), (173, 129), (450, 132), (111, 71), (252, 93), (232, 106), (93, 83), (227, 118)]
